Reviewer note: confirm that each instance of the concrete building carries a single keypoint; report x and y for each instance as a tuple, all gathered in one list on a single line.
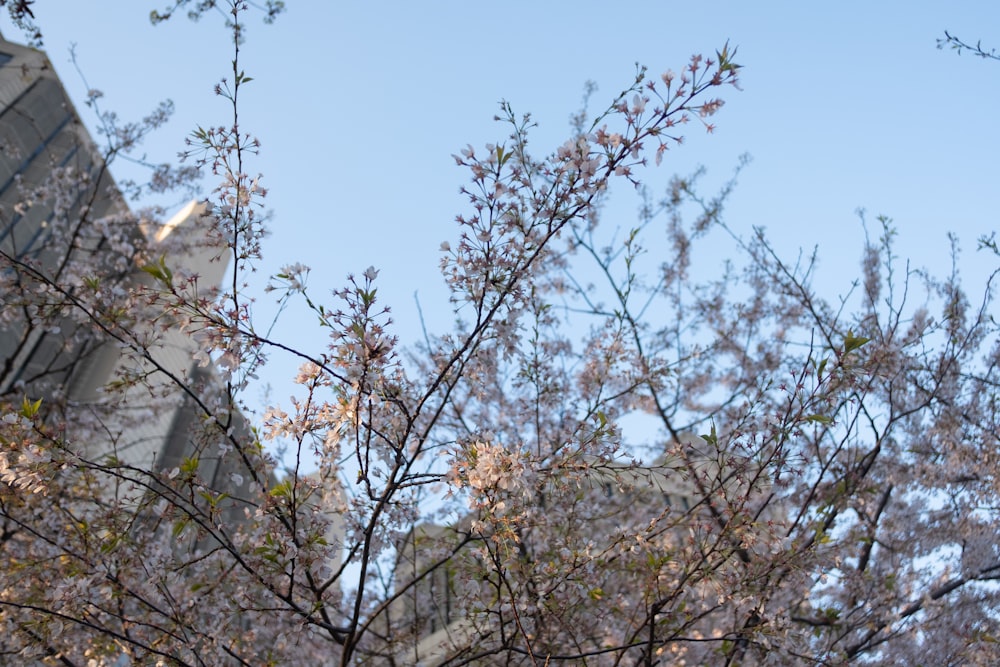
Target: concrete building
[(427, 616), (118, 371), (50, 178), (64, 228)]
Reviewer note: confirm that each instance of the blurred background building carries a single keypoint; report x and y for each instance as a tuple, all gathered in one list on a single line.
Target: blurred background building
[(65, 228)]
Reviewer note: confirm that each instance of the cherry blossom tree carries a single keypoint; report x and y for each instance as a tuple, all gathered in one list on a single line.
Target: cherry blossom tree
[(611, 457)]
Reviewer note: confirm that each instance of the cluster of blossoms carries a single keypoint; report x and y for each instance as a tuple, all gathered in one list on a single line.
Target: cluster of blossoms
[(486, 466), (24, 462)]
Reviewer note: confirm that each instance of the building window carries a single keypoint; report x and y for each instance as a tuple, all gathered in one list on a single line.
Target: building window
[(5, 58)]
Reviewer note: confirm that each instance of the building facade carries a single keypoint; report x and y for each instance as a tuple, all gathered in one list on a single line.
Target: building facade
[(53, 185), (443, 571), (66, 236)]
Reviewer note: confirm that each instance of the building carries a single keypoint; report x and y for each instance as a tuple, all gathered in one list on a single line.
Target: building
[(63, 221), (119, 375), (442, 571), (53, 185)]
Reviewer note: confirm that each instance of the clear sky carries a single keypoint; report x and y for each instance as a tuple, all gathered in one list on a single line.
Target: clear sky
[(360, 105)]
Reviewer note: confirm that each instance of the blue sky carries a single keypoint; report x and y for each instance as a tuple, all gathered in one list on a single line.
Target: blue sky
[(359, 106)]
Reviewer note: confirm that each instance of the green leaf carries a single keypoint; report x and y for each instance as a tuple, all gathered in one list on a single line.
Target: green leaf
[(161, 272), (725, 58), (819, 419), (712, 438), (109, 544), (189, 466), (852, 342), (281, 490), (179, 528), (820, 369), (30, 408)]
